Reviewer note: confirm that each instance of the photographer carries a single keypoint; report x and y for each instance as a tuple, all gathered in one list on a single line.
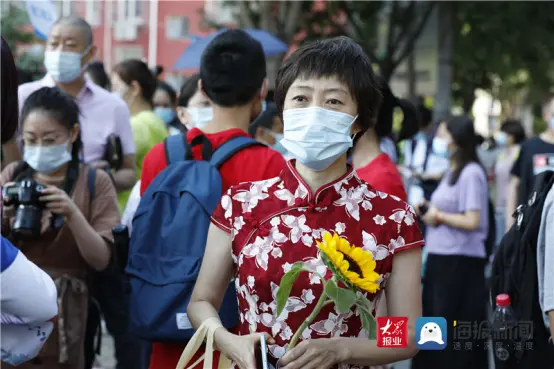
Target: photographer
[(59, 213)]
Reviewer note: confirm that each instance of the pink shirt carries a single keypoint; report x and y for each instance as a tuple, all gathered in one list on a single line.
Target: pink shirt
[(102, 114)]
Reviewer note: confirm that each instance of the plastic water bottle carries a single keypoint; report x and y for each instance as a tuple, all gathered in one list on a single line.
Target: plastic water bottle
[(503, 328)]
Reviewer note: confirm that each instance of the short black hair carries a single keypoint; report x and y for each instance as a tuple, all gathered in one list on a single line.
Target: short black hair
[(233, 68), (98, 74), (515, 129), (64, 109), (169, 90), (136, 70), (188, 90), (78, 22), (340, 57), (8, 94)]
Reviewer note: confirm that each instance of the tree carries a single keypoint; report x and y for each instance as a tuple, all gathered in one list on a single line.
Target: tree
[(401, 23), (284, 19), (12, 23), (502, 46)]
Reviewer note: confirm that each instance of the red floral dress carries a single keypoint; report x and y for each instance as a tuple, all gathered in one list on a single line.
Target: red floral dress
[(274, 223)]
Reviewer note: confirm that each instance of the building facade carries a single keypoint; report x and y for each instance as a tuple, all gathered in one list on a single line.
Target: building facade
[(156, 31)]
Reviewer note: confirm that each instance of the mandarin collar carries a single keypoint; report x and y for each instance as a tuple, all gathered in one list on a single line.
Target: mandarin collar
[(326, 194)]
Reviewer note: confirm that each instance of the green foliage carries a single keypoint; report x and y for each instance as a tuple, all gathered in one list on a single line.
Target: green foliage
[(286, 285), (398, 23), (507, 42), (342, 297), (364, 307), (12, 31)]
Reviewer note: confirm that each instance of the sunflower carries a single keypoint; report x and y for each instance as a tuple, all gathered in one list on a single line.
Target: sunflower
[(351, 264)]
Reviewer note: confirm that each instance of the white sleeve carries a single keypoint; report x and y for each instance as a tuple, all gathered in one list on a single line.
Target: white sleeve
[(131, 207), (29, 303), (28, 294)]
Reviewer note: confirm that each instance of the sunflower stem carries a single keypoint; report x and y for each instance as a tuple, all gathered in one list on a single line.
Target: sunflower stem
[(320, 304)]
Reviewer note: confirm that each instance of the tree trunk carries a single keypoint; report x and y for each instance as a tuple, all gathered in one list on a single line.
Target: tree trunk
[(412, 77), (443, 99)]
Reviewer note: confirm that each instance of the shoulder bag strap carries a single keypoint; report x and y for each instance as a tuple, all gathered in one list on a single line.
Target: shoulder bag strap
[(204, 333)]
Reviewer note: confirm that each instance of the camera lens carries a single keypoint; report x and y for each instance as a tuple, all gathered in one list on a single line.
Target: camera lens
[(27, 222)]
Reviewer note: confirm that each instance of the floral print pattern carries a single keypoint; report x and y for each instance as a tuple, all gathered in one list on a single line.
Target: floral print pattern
[(275, 223)]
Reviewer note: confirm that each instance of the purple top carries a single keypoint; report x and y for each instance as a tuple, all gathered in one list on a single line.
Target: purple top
[(470, 193), (102, 114)]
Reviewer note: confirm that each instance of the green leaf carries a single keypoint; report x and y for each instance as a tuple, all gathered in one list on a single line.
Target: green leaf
[(342, 297), (368, 321), (369, 324), (286, 284)]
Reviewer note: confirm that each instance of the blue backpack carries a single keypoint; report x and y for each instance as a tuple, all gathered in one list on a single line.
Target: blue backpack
[(170, 229)]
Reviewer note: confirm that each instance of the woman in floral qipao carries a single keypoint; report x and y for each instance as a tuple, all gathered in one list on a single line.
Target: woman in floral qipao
[(326, 93)]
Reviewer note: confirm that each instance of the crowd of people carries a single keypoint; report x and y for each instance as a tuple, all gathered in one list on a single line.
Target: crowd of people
[(85, 150)]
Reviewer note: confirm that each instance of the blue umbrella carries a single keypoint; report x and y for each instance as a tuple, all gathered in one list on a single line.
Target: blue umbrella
[(190, 58)]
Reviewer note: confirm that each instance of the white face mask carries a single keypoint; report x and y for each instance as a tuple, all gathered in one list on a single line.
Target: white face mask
[(46, 159), (317, 137), (200, 117), (64, 66)]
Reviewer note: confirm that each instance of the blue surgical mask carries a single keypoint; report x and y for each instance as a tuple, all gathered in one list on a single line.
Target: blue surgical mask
[(440, 147), (317, 137), (64, 66), (420, 136), (278, 138), (552, 123), (165, 113), (46, 159), (200, 116), (501, 138)]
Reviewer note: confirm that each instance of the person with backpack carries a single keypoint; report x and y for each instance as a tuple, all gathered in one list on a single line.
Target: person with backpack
[(457, 219), (182, 181), (522, 269), (545, 273), (536, 155), (65, 223), (326, 92)]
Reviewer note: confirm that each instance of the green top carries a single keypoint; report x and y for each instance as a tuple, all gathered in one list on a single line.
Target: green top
[(148, 130)]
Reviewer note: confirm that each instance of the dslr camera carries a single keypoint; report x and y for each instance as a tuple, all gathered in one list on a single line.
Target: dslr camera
[(24, 195)]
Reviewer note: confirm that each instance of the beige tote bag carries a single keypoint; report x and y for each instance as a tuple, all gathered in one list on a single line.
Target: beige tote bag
[(204, 333)]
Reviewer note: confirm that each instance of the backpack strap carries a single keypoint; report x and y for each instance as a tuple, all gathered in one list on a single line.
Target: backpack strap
[(91, 182), (428, 151), (230, 148), (176, 148)]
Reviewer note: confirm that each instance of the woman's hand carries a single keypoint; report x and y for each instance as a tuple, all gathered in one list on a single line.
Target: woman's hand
[(58, 202), (241, 349), (430, 217), (314, 354)]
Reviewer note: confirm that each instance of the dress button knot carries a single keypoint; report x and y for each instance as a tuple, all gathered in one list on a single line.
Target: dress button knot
[(298, 201)]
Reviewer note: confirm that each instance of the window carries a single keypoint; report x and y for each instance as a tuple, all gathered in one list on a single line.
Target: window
[(176, 28), (94, 12), (222, 11), (67, 7), (128, 52), (175, 80)]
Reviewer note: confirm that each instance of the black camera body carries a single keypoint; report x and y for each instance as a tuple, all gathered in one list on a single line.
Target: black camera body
[(24, 195)]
